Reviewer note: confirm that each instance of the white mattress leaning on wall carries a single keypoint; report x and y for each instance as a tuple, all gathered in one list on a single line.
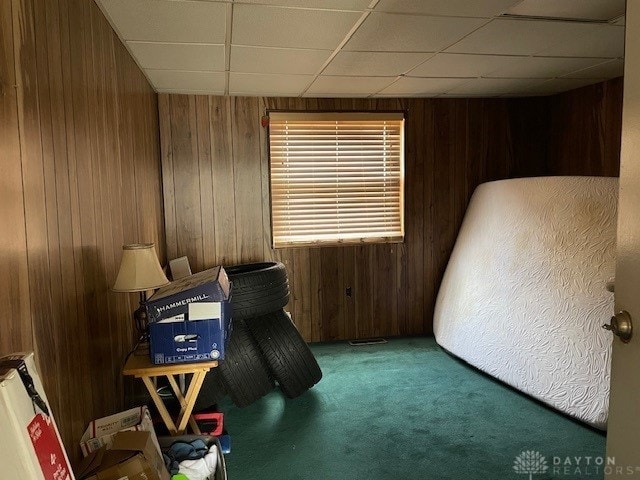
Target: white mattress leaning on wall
[(524, 294)]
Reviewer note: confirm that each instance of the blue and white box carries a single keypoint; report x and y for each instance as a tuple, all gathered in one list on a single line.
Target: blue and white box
[(190, 319), (197, 336)]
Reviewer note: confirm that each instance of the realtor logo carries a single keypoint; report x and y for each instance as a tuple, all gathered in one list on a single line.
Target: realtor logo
[(530, 462)]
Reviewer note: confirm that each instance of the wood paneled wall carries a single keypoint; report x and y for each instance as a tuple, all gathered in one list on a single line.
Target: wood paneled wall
[(217, 205), (584, 130), (79, 143), (572, 133), (215, 173)]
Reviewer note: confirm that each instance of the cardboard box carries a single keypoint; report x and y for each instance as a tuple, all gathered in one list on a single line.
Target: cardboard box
[(100, 432), (190, 319), (30, 445), (133, 456), (201, 335), (173, 300)]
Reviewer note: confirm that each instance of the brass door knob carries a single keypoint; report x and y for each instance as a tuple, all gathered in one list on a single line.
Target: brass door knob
[(621, 326)]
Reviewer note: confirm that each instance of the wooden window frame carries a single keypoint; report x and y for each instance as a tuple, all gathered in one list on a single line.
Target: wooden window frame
[(380, 221)]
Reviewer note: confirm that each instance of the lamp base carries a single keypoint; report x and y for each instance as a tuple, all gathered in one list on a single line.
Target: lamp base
[(141, 319)]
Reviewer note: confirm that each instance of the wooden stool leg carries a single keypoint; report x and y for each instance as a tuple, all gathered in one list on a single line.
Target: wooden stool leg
[(162, 409), (192, 395), (183, 403)]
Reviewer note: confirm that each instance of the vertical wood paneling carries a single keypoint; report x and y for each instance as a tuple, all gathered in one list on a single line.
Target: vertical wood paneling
[(444, 209), (347, 271), (302, 295), (224, 212), (413, 250), (168, 188), (530, 129), (81, 177), (451, 147), (247, 178), (14, 289), (427, 270), (82, 194), (331, 287), (205, 176), (186, 178), (363, 294), (53, 286), (596, 109)]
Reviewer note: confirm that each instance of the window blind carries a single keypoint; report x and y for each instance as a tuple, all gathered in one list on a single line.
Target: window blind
[(336, 178)]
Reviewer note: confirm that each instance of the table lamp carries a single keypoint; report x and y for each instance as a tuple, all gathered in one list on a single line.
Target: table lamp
[(140, 271)]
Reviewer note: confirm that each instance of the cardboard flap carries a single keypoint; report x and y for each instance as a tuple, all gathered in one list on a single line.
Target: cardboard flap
[(216, 274), (114, 423), (90, 463), (136, 468), (132, 441), (102, 459), (142, 442)]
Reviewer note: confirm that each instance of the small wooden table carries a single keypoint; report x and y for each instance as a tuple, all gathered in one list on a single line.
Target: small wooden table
[(139, 365)]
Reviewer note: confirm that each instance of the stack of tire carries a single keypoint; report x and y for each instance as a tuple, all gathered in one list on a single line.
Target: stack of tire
[(265, 347)]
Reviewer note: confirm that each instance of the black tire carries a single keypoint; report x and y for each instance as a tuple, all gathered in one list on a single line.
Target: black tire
[(243, 371), (212, 391), (288, 356), (258, 288)]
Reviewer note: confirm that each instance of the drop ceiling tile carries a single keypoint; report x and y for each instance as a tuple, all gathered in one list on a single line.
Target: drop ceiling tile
[(277, 60), (178, 56), (519, 37), (374, 63), (354, 5), (603, 10), (461, 8), (608, 69), (176, 81), (326, 85), (493, 86), (542, 67), (601, 41), (266, 26), (462, 65), (389, 32), (406, 86), (167, 21), (558, 85), (260, 84)]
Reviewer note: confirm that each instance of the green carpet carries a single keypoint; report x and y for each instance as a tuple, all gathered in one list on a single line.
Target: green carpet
[(401, 410)]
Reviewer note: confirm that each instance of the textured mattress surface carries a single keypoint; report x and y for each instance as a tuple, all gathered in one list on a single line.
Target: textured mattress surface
[(524, 294)]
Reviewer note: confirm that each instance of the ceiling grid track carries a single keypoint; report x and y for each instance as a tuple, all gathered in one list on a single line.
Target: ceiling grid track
[(344, 41), (227, 47), (404, 74)]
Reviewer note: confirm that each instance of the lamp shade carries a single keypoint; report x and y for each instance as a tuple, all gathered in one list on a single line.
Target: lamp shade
[(140, 269)]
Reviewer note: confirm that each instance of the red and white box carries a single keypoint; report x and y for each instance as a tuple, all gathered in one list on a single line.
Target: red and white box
[(30, 444), (101, 432)]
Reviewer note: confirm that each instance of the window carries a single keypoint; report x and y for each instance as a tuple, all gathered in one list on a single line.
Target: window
[(336, 178)]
